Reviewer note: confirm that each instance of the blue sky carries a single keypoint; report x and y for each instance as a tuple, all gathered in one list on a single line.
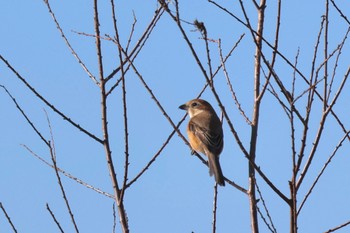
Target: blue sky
[(176, 193)]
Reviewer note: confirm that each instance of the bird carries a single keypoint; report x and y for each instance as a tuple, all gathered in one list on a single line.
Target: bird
[(205, 134)]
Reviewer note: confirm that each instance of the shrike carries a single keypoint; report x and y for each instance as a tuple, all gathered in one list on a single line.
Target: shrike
[(205, 134)]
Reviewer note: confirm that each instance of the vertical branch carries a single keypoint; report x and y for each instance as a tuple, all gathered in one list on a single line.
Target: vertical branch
[(255, 119), (326, 57), (215, 206), (114, 219), (292, 183), (104, 118), (275, 48), (311, 92), (53, 158), (54, 162), (126, 133), (340, 46), (202, 28), (293, 206)]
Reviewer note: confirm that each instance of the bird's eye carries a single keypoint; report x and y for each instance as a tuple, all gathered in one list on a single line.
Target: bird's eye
[(194, 104)]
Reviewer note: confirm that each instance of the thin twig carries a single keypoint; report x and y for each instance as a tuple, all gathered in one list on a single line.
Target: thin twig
[(76, 125), (131, 32), (215, 203), (272, 90), (325, 75), (153, 159), (25, 116), (220, 66), (284, 58), (272, 226), (69, 45), (125, 115), (70, 176), (234, 96), (319, 133), (141, 42), (275, 48), (54, 218), (254, 33), (8, 218), (322, 170), (292, 124), (114, 219), (264, 219), (311, 92), (206, 40), (136, 50), (338, 227), (53, 158), (340, 46), (340, 12), (292, 183)]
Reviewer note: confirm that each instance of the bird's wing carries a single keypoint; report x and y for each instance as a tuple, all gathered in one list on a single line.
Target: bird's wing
[(213, 141)]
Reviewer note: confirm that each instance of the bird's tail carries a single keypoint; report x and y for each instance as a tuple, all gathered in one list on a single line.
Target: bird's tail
[(215, 168)]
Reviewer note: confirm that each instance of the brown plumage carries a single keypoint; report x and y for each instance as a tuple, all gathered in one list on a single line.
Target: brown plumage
[(205, 134)]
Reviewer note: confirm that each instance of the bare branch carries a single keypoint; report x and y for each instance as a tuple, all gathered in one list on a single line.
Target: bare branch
[(8, 218), (106, 140), (70, 176), (338, 227), (319, 133), (311, 93), (69, 45), (326, 56), (282, 56), (322, 170), (340, 12), (76, 125), (140, 43), (131, 32), (270, 225), (340, 46), (53, 158), (234, 96), (114, 219), (126, 128), (215, 207), (54, 218), (256, 113), (25, 116)]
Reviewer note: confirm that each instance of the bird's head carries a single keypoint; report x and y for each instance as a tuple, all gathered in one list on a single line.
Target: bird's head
[(196, 106)]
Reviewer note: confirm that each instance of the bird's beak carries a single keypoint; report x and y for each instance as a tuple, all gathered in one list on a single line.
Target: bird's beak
[(183, 107)]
